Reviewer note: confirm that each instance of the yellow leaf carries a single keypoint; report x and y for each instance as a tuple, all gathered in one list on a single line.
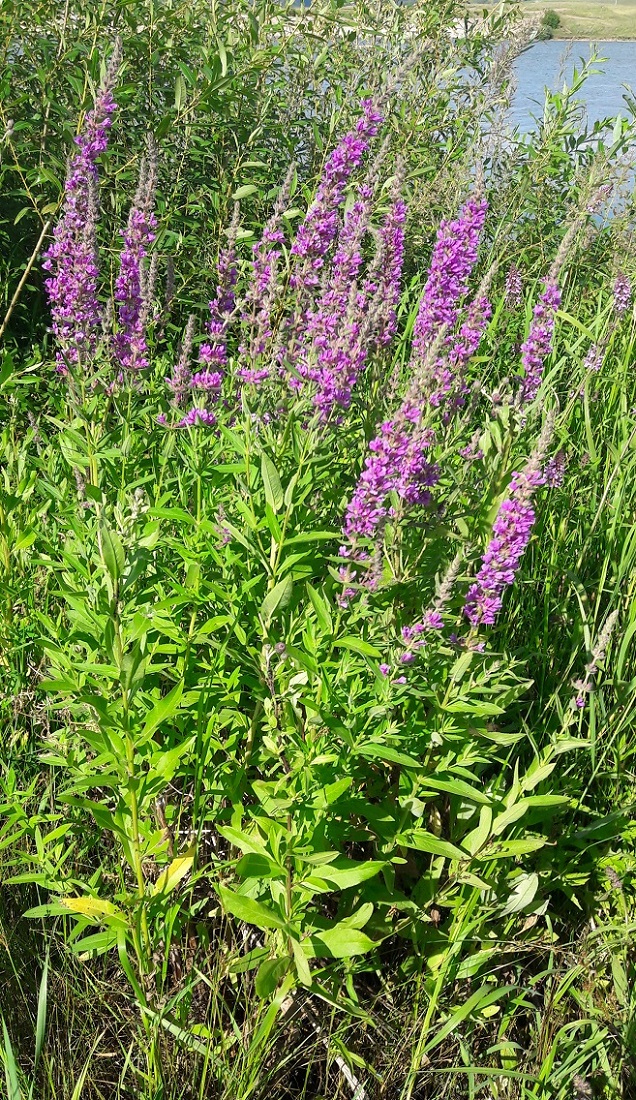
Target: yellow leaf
[(173, 874), (97, 910)]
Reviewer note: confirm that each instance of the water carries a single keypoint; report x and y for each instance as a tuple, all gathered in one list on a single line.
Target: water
[(550, 63)]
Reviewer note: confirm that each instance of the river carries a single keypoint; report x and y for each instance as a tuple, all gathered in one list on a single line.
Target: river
[(550, 63)]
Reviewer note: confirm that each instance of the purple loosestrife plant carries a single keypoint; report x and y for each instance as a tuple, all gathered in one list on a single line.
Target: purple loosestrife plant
[(133, 288), (398, 463), (348, 324), (333, 327), (261, 297), (449, 373), (320, 226), (511, 534), (377, 303), (538, 345), (584, 687), (454, 257), (181, 381), (514, 287), (383, 284), (400, 460), (213, 354), (622, 293), (207, 381), (71, 260), (594, 358)]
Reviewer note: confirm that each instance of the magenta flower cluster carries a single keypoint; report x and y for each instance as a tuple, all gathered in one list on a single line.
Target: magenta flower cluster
[(454, 257), (511, 535), (398, 463), (622, 293), (72, 257), (129, 343), (207, 382), (514, 287), (538, 345), (320, 226)]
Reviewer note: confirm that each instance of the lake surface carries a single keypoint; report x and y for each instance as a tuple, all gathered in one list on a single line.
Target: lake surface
[(550, 63)]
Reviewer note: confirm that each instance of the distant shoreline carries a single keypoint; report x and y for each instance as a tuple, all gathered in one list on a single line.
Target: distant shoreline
[(579, 20), (579, 38)]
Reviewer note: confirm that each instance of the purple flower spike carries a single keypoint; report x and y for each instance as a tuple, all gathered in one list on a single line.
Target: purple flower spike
[(213, 355), (381, 291), (622, 293), (454, 256), (319, 229), (511, 535), (448, 373), (538, 346), (131, 289), (182, 375), (514, 287), (398, 463), (71, 259), (262, 292), (334, 326), (594, 358)]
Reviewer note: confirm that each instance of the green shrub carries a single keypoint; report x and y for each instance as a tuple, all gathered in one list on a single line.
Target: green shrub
[(551, 19)]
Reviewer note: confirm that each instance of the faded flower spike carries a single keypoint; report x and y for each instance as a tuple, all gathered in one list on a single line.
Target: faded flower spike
[(538, 345)]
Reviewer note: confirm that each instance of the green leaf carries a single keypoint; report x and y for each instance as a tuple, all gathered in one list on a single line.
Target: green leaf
[(268, 976), (250, 961), (321, 607), (523, 894), (97, 943), (40, 1027), (302, 964), (458, 787), (374, 751), (246, 842), (505, 849), (244, 191), (427, 842), (341, 942), (279, 597), (249, 910), (14, 1091), (271, 482), (111, 551), (179, 92), (163, 710), (358, 645), (345, 873), (52, 909), (256, 866)]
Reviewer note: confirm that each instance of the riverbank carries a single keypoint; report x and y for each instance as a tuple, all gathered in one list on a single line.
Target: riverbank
[(585, 20), (591, 21)]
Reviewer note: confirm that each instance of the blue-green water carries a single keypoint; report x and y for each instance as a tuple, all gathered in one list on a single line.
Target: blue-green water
[(550, 63)]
